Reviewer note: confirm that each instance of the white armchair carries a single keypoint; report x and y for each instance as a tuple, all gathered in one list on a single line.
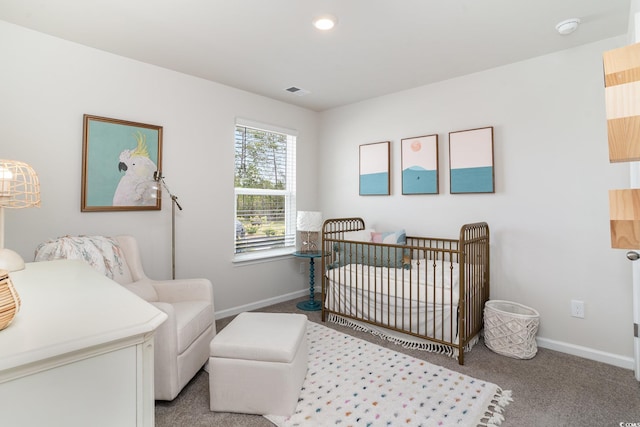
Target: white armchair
[(182, 341)]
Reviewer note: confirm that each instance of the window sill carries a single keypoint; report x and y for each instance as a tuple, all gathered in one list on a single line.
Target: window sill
[(262, 256)]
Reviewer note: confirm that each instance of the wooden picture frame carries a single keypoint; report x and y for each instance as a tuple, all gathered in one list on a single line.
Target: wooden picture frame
[(420, 165), (119, 159), (471, 168), (374, 169)]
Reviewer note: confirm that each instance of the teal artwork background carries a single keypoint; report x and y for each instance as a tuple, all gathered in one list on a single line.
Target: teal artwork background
[(416, 180), (472, 180), (374, 184), (105, 142)]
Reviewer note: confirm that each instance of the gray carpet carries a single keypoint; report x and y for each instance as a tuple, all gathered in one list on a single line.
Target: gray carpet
[(552, 389)]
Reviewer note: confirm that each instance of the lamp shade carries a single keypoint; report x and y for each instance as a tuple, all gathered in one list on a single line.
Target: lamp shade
[(309, 221), (19, 185)]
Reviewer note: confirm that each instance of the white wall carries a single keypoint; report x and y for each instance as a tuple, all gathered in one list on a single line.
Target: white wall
[(549, 216), (47, 84)]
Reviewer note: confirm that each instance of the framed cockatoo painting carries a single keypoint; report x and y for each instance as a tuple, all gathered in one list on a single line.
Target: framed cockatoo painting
[(119, 160)]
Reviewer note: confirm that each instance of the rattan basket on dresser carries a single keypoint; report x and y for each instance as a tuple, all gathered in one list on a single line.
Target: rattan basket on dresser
[(9, 300)]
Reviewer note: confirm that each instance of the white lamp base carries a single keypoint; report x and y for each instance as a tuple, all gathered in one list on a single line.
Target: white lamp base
[(10, 260)]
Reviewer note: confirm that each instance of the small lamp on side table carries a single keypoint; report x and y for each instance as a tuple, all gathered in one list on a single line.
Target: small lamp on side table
[(309, 222)]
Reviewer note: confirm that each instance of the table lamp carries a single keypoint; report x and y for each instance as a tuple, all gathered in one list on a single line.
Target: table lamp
[(19, 188), (309, 222)]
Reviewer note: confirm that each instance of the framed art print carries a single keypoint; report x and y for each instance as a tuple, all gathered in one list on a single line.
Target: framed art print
[(420, 165), (119, 159), (471, 161), (374, 171)]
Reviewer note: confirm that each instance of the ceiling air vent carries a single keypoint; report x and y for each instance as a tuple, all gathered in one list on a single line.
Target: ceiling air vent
[(297, 91)]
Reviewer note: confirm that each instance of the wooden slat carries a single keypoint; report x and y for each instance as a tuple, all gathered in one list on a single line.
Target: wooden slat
[(624, 134), (622, 90), (624, 213), (625, 234), (622, 100), (624, 204), (622, 65)]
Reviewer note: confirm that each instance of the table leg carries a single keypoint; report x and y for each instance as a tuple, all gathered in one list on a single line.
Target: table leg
[(311, 304)]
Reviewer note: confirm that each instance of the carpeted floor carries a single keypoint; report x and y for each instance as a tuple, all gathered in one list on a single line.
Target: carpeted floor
[(552, 389)]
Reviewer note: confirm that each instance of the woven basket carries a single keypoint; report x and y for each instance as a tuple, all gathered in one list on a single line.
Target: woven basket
[(510, 329), (9, 300)]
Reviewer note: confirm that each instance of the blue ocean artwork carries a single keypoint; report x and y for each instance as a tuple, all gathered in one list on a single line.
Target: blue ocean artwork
[(374, 184), (417, 180), (472, 180)]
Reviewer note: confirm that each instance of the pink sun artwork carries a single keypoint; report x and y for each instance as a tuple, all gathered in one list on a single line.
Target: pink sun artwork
[(420, 165)]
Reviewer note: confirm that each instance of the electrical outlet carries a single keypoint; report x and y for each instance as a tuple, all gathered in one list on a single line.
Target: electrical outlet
[(577, 308), (302, 268)]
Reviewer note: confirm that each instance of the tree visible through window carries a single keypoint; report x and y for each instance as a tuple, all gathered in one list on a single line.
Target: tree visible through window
[(264, 189)]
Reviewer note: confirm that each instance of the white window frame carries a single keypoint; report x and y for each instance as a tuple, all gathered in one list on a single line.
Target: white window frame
[(289, 192)]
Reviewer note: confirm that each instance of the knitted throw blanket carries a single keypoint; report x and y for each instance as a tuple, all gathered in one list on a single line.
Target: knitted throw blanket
[(100, 252)]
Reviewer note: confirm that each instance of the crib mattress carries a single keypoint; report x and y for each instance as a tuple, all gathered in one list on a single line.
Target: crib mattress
[(422, 299)]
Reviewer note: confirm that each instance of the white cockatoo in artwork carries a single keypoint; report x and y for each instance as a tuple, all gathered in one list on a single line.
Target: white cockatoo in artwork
[(137, 186)]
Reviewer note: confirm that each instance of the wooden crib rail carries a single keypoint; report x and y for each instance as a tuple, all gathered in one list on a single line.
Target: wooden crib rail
[(474, 242), (335, 228)]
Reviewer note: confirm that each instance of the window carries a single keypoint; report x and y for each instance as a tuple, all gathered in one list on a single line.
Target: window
[(265, 190)]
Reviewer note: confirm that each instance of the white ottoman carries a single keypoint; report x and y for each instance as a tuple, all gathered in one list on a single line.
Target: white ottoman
[(257, 364)]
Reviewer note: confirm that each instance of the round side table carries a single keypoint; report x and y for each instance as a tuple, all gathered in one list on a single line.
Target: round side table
[(311, 304)]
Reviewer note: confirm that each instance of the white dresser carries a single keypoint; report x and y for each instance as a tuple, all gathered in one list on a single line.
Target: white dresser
[(79, 352)]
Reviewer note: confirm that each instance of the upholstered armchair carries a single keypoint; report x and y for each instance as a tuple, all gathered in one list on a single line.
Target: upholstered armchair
[(182, 341)]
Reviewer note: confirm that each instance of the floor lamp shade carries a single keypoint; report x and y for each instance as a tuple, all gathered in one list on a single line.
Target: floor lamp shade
[(19, 188), (309, 222)]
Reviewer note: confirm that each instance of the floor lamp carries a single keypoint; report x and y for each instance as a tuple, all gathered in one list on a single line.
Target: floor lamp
[(19, 188), (157, 176)]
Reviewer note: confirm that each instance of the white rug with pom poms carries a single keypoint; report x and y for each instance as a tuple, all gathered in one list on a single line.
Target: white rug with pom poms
[(351, 382)]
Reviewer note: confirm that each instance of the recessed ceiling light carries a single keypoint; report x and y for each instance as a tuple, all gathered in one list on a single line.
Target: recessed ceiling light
[(567, 26), (325, 22)]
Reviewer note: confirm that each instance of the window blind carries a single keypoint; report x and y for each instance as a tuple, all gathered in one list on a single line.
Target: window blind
[(265, 193)]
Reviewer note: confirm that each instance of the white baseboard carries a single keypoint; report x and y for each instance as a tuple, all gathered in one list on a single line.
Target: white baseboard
[(260, 304), (587, 353)]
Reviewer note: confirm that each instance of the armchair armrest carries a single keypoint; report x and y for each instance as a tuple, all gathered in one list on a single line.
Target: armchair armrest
[(166, 348), (183, 290)]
